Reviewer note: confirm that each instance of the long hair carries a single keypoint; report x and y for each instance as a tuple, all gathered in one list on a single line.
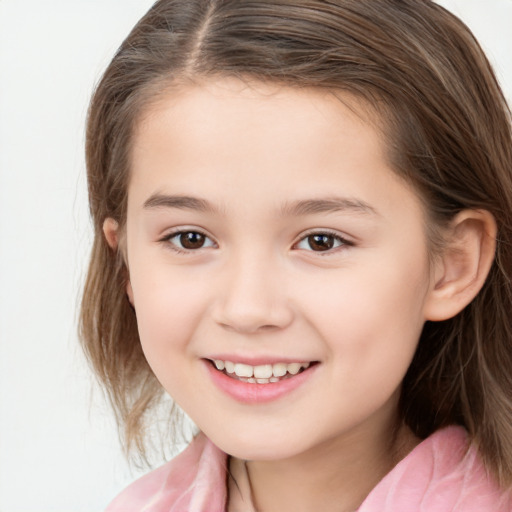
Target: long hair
[(448, 133)]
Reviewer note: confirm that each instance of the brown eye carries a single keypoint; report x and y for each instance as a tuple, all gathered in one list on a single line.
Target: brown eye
[(322, 242), (190, 240)]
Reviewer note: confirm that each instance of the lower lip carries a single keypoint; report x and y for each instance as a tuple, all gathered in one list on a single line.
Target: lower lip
[(253, 393)]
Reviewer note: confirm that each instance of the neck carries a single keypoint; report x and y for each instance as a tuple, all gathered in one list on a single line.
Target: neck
[(333, 477)]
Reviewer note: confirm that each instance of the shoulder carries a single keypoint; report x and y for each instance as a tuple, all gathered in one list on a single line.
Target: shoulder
[(193, 480), (444, 473)]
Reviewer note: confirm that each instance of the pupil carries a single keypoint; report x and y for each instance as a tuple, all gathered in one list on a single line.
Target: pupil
[(321, 242), (192, 240)]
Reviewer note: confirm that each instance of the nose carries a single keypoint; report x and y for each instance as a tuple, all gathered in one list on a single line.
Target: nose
[(252, 297)]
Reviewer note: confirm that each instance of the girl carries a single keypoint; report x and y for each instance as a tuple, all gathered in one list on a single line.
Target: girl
[(302, 215)]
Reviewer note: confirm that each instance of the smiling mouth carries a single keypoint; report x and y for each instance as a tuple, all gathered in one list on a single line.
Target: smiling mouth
[(261, 374)]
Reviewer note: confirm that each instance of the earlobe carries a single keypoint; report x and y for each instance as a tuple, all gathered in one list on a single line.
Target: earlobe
[(129, 292), (110, 230), (463, 266)]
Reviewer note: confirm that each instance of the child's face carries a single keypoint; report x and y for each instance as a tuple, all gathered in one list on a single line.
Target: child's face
[(265, 227)]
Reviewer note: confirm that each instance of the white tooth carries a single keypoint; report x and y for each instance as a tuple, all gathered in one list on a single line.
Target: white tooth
[(230, 367), (306, 365), (293, 368), (252, 380), (263, 372), (219, 364), (243, 370), (279, 369), (274, 379), (262, 381)]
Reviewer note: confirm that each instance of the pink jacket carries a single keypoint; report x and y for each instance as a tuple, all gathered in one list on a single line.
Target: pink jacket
[(439, 475)]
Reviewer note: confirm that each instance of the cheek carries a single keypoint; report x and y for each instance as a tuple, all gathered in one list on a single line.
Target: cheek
[(373, 314), (168, 310)]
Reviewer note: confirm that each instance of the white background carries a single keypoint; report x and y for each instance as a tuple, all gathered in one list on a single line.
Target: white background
[(58, 446)]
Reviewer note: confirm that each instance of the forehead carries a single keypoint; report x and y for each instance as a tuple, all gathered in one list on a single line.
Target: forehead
[(202, 95), (229, 135), (244, 108)]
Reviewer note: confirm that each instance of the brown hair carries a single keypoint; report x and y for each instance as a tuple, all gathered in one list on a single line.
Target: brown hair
[(449, 134)]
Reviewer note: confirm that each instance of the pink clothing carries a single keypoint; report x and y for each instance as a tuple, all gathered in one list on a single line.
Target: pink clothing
[(439, 475)]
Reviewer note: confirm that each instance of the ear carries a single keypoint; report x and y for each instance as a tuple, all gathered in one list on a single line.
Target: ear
[(111, 232), (462, 268)]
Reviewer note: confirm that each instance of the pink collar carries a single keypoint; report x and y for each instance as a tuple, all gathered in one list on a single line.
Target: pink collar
[(442, 474)]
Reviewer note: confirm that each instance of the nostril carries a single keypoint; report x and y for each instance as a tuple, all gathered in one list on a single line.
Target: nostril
[(249, 303), (247, 327)]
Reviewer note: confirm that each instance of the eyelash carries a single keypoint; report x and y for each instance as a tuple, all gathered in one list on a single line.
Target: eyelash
[(167, 239), (342, 242), (338, 239)]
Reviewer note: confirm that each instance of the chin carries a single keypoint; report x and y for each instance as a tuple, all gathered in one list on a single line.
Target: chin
[(263, 447)]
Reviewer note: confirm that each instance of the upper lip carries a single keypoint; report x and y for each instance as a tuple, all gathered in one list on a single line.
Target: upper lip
[(257, 361)]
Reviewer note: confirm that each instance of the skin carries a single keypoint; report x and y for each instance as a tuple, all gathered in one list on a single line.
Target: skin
[(258, 288)]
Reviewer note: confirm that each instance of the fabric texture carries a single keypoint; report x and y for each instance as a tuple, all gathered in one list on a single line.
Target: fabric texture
[(440, 475)]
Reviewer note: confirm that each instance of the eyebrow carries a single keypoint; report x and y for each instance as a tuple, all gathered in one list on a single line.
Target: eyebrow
[(297, 208), (180, 202), (328, 205)]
